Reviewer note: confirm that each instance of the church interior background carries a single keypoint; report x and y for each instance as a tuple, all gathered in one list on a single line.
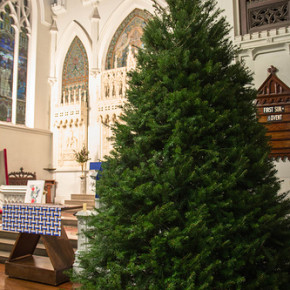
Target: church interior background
[(63, 75)]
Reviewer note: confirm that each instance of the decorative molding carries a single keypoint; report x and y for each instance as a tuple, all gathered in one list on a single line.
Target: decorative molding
[(258, 15), (22, 128), (265, 26), (273, 90), (264, 42), (58, 7)]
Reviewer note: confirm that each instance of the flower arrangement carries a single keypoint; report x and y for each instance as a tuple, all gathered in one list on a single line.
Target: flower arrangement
[(82, 157)]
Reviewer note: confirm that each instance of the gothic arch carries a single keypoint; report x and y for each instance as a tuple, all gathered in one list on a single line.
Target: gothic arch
[(73, 30), (129, 33), (111, 25), (75, 74)]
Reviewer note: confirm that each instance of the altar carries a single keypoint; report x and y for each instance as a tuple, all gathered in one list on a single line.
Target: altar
[(35, 222)]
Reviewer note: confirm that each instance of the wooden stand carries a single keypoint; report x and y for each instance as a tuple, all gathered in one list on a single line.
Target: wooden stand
[(49, 270), (49, 184)]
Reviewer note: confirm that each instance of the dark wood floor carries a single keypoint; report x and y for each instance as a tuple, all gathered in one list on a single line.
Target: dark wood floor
[(7, 283)]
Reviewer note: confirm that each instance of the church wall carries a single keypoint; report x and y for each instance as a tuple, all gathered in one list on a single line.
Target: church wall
[(42, 87), (259, 51), (27, 148), (30, 146)]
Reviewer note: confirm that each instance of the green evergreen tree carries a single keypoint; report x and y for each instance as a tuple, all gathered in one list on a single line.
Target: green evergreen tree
[(189, 198)]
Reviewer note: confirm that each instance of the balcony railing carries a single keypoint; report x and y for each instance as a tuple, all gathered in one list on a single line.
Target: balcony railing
[(257, 15)]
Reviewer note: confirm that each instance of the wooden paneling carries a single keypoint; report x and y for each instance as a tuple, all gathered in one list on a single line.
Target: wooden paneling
[(274, 127), (279, 135)]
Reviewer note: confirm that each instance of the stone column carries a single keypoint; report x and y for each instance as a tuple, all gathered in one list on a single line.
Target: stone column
[(82, 217)]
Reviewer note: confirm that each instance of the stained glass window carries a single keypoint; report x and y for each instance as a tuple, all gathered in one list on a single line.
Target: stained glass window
[(13, 56), (129, 33), (75, 73), (7, 43), (22, 76)]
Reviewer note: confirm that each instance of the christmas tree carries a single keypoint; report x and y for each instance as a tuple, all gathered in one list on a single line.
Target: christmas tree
[(189, 198)]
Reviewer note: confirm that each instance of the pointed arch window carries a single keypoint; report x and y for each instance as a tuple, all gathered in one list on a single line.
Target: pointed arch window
[(128, 34), (75, 74), (14, 39)]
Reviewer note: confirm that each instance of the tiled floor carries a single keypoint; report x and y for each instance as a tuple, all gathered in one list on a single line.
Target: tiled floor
[(7, 283)]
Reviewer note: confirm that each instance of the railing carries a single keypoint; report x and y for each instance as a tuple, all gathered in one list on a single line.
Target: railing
[(257, 15)]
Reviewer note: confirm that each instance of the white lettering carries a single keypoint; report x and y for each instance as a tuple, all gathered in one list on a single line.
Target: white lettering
[(274, 118), (268, 109), (279, 109)]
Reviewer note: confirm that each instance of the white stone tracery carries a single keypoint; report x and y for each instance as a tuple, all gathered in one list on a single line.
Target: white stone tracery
[(112, 98), (71, 121), (19, 12), (12, 194), (106, 95)]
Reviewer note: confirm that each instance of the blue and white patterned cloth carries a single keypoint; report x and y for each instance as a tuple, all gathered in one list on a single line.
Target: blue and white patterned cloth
[(43, 220)]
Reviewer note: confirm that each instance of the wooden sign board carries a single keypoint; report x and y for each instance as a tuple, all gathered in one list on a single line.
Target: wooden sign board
[(273, 106)]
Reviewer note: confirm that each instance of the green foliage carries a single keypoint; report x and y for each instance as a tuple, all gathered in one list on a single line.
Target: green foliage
[(82, 156), (189, 198)]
